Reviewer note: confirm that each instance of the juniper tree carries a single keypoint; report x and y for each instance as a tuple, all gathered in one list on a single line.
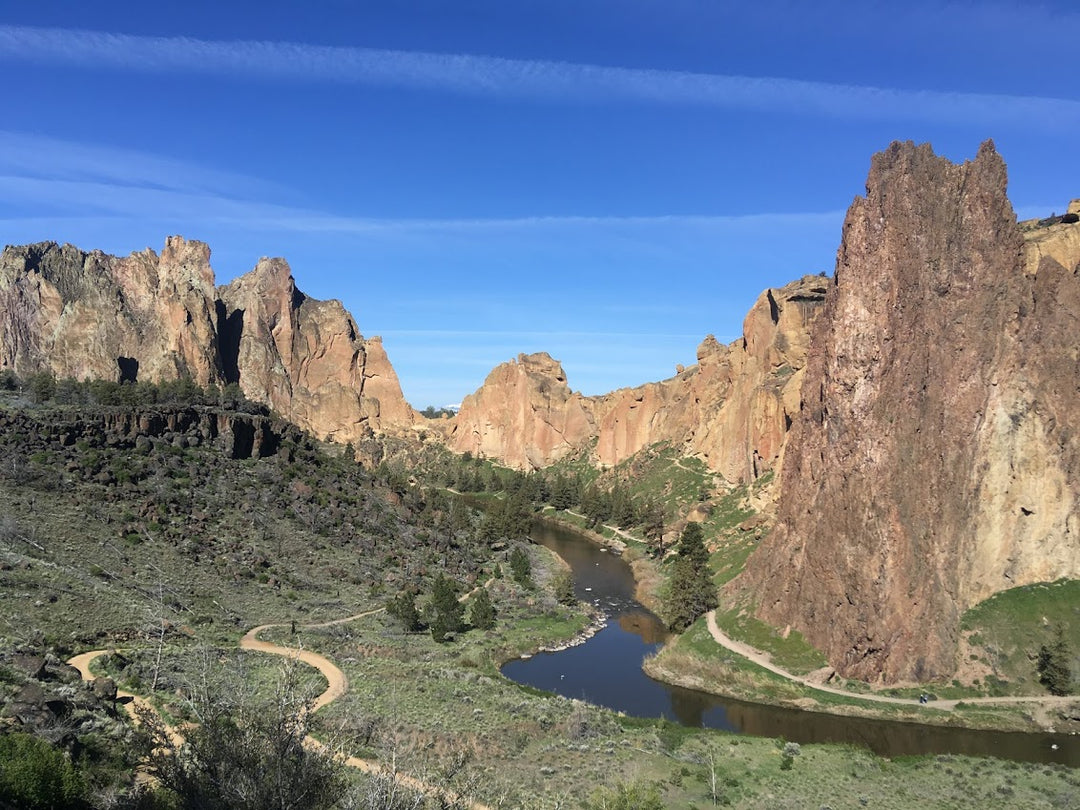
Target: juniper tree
[(520, 567), (481, 610), (447, 613), (564, 588), (1053, 665), (690, 591)]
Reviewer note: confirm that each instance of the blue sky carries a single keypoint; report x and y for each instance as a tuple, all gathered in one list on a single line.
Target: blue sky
[(605, 180)]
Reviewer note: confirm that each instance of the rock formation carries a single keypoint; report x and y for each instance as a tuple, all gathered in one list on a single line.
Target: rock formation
[(732, 408), (150, 317), (935, 459), (524, 415), (305, 358)]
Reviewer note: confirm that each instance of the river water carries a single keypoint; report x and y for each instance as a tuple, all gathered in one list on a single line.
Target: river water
[(606, 670)]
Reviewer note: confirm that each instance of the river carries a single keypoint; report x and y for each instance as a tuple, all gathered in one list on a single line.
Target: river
[(606, 670)]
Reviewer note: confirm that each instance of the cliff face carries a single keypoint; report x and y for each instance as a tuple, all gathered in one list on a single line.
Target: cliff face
[(306, 358), (525, 415), (733, 407), (150, 317), (89, 315), (935, 458)]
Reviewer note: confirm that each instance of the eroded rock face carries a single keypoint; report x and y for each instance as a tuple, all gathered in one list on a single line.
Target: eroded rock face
[(150, 317), (735, 406), (732, 408), (307, 359), (524, 415), (935, 458), (90, 315)]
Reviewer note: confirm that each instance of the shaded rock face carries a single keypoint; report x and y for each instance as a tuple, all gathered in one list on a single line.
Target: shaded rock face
[(236, 434), (935, 457), (733, 408), (150, 317), (305, 358)]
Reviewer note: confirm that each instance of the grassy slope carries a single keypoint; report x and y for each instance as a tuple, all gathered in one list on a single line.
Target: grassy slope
[(315, 555), (1004, 634)]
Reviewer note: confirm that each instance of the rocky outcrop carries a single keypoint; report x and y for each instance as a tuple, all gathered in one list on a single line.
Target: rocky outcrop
[(732, 408), (524, 415), (306, 358), (935, 457), (94, 316), (154, 318), (236, 434)]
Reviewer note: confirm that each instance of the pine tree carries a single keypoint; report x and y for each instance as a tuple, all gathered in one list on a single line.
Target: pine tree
[(481, 610), (447, 613), (1053, 665), (652, 525), (690, 591), (692, 545)]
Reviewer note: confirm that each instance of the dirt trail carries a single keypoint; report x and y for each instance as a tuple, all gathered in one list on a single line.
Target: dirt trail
[(337, 685), (763, 660)]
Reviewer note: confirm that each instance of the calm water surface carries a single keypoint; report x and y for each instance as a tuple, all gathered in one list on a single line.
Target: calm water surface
[(606, 670)]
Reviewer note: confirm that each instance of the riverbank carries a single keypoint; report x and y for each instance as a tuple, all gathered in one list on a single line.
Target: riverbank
[(647, 576), (704, 659)]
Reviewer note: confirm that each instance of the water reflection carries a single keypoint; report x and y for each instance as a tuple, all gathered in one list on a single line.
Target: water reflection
[(644, 624), (607, 671)]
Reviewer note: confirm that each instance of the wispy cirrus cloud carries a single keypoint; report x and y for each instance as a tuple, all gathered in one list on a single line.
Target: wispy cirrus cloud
[(480, 75), (42, 177), (30, 155)]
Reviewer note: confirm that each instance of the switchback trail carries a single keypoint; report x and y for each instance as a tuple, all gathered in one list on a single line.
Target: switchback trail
[(337, 685), (763, 660)]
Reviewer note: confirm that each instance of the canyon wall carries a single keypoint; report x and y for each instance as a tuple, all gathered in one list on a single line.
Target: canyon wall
[(732, 408), (934, 459), (151, 317)]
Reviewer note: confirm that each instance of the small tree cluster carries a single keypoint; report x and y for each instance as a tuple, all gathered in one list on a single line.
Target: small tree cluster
[(507, 517), (36, 776)]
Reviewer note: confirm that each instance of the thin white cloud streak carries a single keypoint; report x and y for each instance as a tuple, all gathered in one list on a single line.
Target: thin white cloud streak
[(530, 79), (150, 204), (30, 155)]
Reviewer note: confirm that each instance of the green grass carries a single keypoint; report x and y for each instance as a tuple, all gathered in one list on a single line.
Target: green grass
[(661, 472), (793, 653), (1006, 631)]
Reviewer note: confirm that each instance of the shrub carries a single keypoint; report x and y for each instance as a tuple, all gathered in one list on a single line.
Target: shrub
[(8, 380), (36, 776), (520, 567)]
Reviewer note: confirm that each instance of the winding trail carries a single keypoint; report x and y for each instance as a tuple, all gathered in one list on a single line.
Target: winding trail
[(337, 685), (763, 660)]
